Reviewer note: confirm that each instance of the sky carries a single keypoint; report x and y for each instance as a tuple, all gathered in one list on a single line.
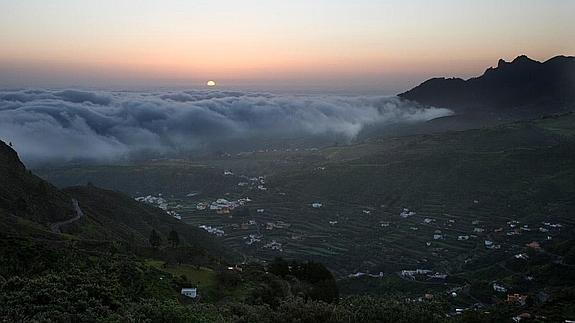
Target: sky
[(371, 46)]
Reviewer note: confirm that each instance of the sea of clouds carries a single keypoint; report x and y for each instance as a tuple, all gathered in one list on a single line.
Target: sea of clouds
[(106, 126)]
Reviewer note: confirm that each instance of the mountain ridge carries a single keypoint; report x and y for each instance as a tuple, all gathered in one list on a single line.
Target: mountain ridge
[(522, 86)]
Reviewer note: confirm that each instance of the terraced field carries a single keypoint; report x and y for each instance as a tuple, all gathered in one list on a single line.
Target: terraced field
[(379, 241)]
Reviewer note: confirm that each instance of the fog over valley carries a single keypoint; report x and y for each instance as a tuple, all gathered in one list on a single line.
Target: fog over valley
[(107, 126)]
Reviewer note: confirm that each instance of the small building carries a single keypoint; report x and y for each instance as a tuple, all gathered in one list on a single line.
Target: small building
[(488, 244), (534, 245), (516, 299), (189, 292), (316, 205), (498, 288)]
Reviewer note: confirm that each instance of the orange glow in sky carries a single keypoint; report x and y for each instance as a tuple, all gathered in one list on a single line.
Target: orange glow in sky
[(386, 45)]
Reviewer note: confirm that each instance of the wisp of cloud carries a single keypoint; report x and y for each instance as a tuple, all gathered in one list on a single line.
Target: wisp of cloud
[(105, 126)]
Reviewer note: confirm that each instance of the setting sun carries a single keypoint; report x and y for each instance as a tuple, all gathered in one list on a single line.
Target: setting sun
[(211, 83)]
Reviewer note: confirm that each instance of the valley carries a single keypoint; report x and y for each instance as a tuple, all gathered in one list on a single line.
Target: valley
[(457, 205)]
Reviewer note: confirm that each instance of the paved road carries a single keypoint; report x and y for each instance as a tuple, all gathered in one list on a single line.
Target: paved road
[(56, 227)]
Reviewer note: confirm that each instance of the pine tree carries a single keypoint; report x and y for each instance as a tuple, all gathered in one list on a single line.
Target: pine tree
[(155, 239), (174, 238)]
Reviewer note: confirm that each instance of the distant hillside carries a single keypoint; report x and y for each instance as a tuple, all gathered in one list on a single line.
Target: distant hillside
[(523, 86)]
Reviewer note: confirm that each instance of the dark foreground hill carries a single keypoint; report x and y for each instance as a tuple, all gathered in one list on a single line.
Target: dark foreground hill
[(521, 87)]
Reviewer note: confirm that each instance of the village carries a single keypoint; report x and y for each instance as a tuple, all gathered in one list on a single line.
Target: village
[(255, 220), (263, 222)]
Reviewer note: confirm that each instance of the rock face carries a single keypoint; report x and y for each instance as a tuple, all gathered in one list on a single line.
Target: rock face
[(520, 86)]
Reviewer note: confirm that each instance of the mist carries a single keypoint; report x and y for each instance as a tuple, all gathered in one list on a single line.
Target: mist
[(49, 126)]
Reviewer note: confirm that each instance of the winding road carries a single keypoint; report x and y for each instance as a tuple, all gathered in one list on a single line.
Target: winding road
[(56, 227)]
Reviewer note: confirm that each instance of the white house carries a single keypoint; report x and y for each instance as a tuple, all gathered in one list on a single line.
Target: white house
[(316, 205), (499, 288), (190, 292)]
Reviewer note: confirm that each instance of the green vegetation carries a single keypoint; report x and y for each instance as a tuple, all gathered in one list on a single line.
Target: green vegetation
[(155, 239), (201, 277)]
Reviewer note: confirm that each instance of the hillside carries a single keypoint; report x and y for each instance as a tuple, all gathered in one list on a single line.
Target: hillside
[(31, 207), (522, 87), (115, 216), (26, 195)]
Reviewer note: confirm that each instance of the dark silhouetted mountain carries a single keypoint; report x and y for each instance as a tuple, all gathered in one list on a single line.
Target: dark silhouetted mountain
[(520, 86)]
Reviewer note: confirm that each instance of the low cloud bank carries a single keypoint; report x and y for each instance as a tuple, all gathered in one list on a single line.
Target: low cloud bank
[(69, 125)]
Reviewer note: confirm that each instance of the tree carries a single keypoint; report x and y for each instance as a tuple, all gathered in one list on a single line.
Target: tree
[(279, 267), (174, 238), (155, 239)]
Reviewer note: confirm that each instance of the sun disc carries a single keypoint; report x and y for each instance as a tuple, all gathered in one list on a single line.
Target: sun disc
[(211, 83)]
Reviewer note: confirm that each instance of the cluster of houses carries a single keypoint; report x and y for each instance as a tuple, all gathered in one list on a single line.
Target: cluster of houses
[(222, 206), (405, 213), (215, 231), (258, 181), (491, 245), (419, 273), (274, 245), (244, 225), (362, 274), (412, 274), (253, 238), (159, 202)]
